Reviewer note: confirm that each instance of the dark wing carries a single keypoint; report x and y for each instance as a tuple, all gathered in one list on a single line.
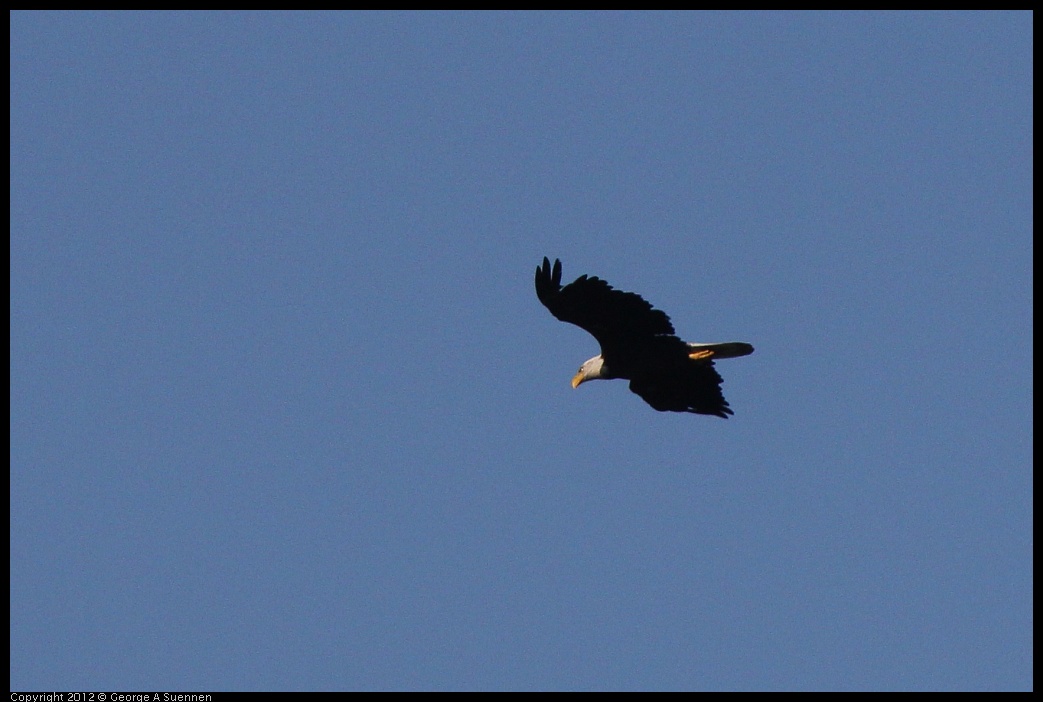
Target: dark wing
[(592, 304), (693, 387)]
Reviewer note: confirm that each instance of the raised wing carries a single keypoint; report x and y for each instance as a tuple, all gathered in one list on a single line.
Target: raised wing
[(592, 304)]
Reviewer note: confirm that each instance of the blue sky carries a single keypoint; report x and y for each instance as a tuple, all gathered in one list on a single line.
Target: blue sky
[(286, 413)]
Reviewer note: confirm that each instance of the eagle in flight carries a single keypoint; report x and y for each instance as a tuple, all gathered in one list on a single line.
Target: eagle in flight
[(638, 344)]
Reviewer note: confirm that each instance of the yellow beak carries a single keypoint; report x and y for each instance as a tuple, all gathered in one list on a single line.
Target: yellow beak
[(576, 380)]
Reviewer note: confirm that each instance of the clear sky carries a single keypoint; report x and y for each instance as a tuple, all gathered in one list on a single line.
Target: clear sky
[(286, 412)]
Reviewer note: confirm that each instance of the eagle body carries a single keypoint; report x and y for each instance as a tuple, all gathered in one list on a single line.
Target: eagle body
[(638, 343)]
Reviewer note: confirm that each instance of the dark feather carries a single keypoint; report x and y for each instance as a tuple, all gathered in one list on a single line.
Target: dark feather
[(695, 387), (592, 304)]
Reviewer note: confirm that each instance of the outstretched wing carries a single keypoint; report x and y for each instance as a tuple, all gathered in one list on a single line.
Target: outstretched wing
[(592, 304), (694, 387)]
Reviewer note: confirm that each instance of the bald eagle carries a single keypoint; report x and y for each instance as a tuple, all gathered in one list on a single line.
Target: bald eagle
[(638, 344)]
